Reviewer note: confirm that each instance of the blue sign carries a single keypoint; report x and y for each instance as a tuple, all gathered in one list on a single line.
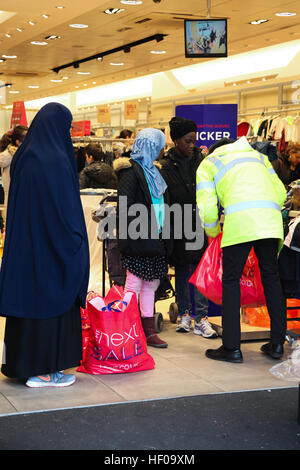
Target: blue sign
[(214, 121)]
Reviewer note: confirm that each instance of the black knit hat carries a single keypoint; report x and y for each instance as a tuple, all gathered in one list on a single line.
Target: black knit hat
[(180, 127)]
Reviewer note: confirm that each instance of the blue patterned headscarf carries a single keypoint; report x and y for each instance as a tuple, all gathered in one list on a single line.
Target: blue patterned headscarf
[(145, 150)]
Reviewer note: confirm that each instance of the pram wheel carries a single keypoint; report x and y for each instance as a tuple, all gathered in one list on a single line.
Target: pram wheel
[(158, 321), (173, 312)]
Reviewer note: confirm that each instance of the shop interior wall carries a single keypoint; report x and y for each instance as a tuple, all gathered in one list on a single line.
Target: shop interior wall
[(158, 113)]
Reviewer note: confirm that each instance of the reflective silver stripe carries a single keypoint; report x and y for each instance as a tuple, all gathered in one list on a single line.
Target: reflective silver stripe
[(211, 225), (271, 171), (215, 161), (241, 206), (205, 185), (218, 176)]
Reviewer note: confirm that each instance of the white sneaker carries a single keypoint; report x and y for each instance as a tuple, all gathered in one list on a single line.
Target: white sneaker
[(184, 325), (204, 328), (56, 379)]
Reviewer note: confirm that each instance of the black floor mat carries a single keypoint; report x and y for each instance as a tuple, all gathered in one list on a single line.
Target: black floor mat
[(257, 420)]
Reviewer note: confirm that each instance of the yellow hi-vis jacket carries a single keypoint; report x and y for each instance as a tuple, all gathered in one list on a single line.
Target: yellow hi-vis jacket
[(243, 181)]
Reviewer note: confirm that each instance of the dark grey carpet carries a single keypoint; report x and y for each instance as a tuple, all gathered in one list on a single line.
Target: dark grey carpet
[(256, 420)]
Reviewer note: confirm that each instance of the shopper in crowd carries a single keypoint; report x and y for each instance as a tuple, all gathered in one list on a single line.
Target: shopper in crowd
[(143, 257), (10, 142), (287, 166), (248, 189), (96, 174), (118, 149), (45, 267), (179, 171), (126, 134)]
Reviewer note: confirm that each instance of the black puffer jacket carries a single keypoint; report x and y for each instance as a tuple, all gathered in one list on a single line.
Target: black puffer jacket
[(181, 181), (98, 175), (132, 183)]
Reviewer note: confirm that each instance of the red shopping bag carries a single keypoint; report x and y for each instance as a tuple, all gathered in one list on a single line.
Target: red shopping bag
[(117, 343), (85, 323), (208, 277)]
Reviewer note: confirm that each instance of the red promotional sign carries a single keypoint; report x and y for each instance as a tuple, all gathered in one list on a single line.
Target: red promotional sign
[(81, 128), (18, 116)]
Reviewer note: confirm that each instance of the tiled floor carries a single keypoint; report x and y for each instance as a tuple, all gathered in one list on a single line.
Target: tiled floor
[(182, 369)]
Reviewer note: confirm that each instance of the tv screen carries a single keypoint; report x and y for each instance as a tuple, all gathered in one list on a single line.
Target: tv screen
[(205, 38)]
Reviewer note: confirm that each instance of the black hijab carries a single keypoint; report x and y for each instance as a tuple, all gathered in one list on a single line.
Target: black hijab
[(45, 264)]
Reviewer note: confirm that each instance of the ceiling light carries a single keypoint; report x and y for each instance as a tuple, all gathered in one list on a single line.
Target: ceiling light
[(8, 35), (131, 2), (9, 56), (113, 11), (59, 7), (78, 25), (100, 59), (32, 23), (20, 30), (85, 84), (158, 52), (285, 13), (116, 63), (56, 81), (33, 86), (84, 73), (94, 83), (257, 61), (2, 60), (15, 91), (39, 43), (76, 86), (258, 21), (45, 16), (65, 78)]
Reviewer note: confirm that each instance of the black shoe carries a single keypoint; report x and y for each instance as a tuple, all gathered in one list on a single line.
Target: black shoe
[(223, 354), (273, 350)]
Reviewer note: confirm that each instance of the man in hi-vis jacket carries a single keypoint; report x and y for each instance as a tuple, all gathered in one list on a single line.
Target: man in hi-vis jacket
[(243, 181)]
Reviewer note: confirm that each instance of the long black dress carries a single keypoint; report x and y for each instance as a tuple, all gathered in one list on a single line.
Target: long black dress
[(36, 347), (45, 267)]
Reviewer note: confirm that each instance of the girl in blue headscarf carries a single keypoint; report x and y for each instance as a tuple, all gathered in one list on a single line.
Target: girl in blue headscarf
[(142, 189), (45, 267)]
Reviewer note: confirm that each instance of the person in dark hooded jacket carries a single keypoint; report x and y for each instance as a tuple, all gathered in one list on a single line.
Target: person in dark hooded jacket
[(179, 171), (96, 174)]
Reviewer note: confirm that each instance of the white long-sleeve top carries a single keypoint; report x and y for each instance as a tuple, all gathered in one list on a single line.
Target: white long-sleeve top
[(5, 161)]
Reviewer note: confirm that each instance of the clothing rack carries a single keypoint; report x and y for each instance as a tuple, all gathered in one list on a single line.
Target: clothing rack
[(106, 143), (265, 112)]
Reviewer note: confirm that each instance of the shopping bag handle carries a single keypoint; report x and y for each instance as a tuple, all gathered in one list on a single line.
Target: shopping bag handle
[(109, 307)]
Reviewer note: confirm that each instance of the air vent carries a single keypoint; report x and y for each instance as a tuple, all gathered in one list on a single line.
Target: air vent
[(25, 74), (143, 21), (122, 30)]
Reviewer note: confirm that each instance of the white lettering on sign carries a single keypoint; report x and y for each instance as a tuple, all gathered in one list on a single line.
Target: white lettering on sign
[(212, 135), (116, 339)]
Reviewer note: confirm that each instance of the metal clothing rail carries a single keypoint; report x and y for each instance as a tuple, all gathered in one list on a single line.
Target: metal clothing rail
[(95, 139), (265, 112)]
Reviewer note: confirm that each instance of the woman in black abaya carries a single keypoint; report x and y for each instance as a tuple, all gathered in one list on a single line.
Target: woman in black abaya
[(45, 266)]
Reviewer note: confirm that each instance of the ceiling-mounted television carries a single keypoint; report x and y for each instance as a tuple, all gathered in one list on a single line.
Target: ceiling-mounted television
[(205, 38)]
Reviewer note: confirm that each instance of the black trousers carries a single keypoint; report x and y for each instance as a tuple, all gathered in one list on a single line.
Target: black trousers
[(234, 259)]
